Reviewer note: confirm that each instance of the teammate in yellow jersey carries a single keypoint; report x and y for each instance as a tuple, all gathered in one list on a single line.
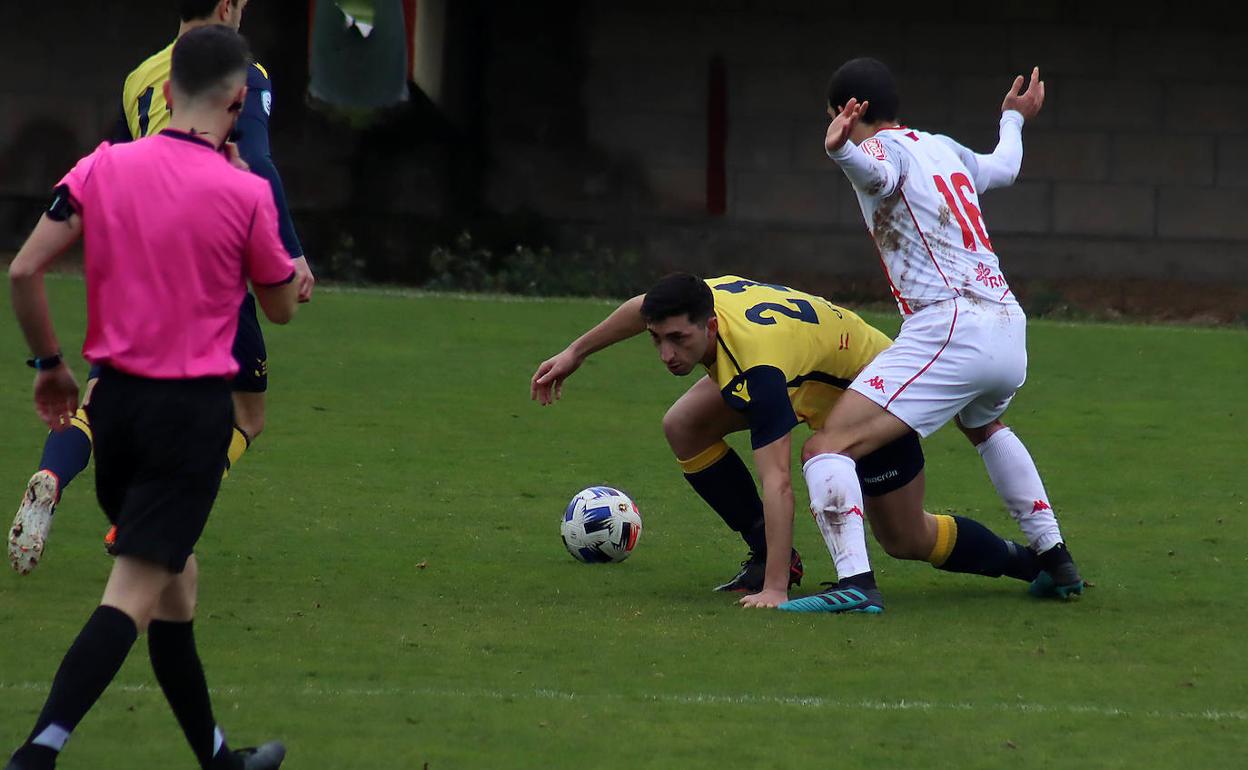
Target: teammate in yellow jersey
[(775, 357), (144, 113)]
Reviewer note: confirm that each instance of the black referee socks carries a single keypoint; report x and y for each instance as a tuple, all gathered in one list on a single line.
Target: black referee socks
[(93, 660)]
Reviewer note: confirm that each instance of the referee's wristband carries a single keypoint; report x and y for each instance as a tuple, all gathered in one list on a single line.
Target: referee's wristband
[(45, 363)]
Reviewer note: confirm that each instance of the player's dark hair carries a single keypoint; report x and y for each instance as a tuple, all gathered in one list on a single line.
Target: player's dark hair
[(867, 80), (194, 10), (678, 294), (206, 57)]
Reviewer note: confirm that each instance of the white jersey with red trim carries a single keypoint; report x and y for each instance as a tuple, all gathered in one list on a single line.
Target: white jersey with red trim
[(919, 194)]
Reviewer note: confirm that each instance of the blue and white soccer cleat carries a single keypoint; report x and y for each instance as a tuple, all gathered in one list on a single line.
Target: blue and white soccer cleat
[(848, 599)]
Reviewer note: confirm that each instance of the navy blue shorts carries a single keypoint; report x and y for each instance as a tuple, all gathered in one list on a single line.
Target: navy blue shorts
[(891, 467), (249, 352)]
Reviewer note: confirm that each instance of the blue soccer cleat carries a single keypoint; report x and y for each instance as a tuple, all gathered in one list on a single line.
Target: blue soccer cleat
[(848, 599)]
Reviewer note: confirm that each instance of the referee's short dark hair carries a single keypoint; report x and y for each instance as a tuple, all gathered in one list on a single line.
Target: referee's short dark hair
[(678, 294), (206, 58), (194, 10), (867, 80)]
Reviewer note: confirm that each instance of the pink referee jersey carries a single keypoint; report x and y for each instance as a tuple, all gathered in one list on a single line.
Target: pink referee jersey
[(172, 233)]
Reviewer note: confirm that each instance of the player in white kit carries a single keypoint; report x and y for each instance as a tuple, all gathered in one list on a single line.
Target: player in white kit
[(961, 353)]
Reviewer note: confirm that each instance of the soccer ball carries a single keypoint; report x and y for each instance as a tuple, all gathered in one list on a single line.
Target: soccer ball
[(601, 524)]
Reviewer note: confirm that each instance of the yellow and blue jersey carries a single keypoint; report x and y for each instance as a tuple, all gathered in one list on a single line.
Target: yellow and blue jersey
[(785, 356), (145, 112)]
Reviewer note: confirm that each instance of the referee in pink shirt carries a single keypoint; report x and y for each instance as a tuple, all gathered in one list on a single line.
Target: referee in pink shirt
[(173, 232)]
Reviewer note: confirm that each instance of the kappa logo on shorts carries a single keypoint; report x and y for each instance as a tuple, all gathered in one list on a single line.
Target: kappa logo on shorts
[(877, 383), (1039, 506)]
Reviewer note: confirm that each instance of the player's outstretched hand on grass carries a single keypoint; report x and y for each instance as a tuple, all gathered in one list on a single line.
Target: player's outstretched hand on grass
[(765, 598), (843, 123), (56, 397), (546, 387), (304, 278), (1029, 101)]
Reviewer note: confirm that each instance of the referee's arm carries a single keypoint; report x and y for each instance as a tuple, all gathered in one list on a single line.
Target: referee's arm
[(56, 391), (30, 302)]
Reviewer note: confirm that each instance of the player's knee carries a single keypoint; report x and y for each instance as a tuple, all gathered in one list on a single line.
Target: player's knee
[(825, 442), (981, 434), (679, 432)]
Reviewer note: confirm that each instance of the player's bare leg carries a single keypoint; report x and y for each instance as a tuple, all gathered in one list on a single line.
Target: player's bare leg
[(248, 424), (1014, 475), (855, 427), (695, 427), (949, 543)]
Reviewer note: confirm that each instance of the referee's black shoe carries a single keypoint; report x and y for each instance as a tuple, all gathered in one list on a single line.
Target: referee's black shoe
[(266, 757), (753, 570)]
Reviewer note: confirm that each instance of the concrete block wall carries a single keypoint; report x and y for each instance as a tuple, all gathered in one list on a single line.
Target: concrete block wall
[(1137, 166)]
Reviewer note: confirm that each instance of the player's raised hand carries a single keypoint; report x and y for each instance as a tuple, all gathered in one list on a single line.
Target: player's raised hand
[(546, 387), (843, 123), (56, 397), (1026, 101)]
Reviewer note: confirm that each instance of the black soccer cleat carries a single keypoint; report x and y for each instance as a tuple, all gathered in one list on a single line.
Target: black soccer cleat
[(754, 570), (1059, 577), (266, 757)]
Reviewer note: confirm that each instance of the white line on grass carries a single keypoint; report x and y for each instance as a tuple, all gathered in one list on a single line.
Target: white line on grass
[(814, 702)]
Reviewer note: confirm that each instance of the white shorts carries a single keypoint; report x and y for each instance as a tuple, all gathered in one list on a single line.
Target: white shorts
[(956, 358)]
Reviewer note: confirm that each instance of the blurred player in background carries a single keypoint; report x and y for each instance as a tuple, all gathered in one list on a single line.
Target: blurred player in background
[(162, 410), (775, 357), (145, 113), (961, 353)]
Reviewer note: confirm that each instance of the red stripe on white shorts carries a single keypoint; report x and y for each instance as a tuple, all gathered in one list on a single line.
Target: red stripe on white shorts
[(952, 323)]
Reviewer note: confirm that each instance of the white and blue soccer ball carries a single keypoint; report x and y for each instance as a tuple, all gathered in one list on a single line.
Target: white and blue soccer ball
[(601, 524)]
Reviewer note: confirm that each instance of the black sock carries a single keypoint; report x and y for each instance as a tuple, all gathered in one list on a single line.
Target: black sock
[(727, 486), (88, 667), (965, 545), (863, 580), (175, 661)]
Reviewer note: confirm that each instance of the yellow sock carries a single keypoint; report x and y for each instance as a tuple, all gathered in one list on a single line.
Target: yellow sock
[(704, 459), (946, 536), (238, 444)]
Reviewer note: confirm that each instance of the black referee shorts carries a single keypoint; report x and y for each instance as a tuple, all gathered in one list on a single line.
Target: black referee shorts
[(160, 450), (891, 467)]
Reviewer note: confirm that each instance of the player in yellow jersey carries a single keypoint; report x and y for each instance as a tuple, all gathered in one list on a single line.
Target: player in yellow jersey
[(775, 357), (144, 112)]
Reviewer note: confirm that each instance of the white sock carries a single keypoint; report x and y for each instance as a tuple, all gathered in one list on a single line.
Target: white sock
[(836, 501), (1018, 483), (52, 737)]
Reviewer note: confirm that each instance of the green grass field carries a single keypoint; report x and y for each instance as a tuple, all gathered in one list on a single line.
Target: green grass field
[(384, 585)]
